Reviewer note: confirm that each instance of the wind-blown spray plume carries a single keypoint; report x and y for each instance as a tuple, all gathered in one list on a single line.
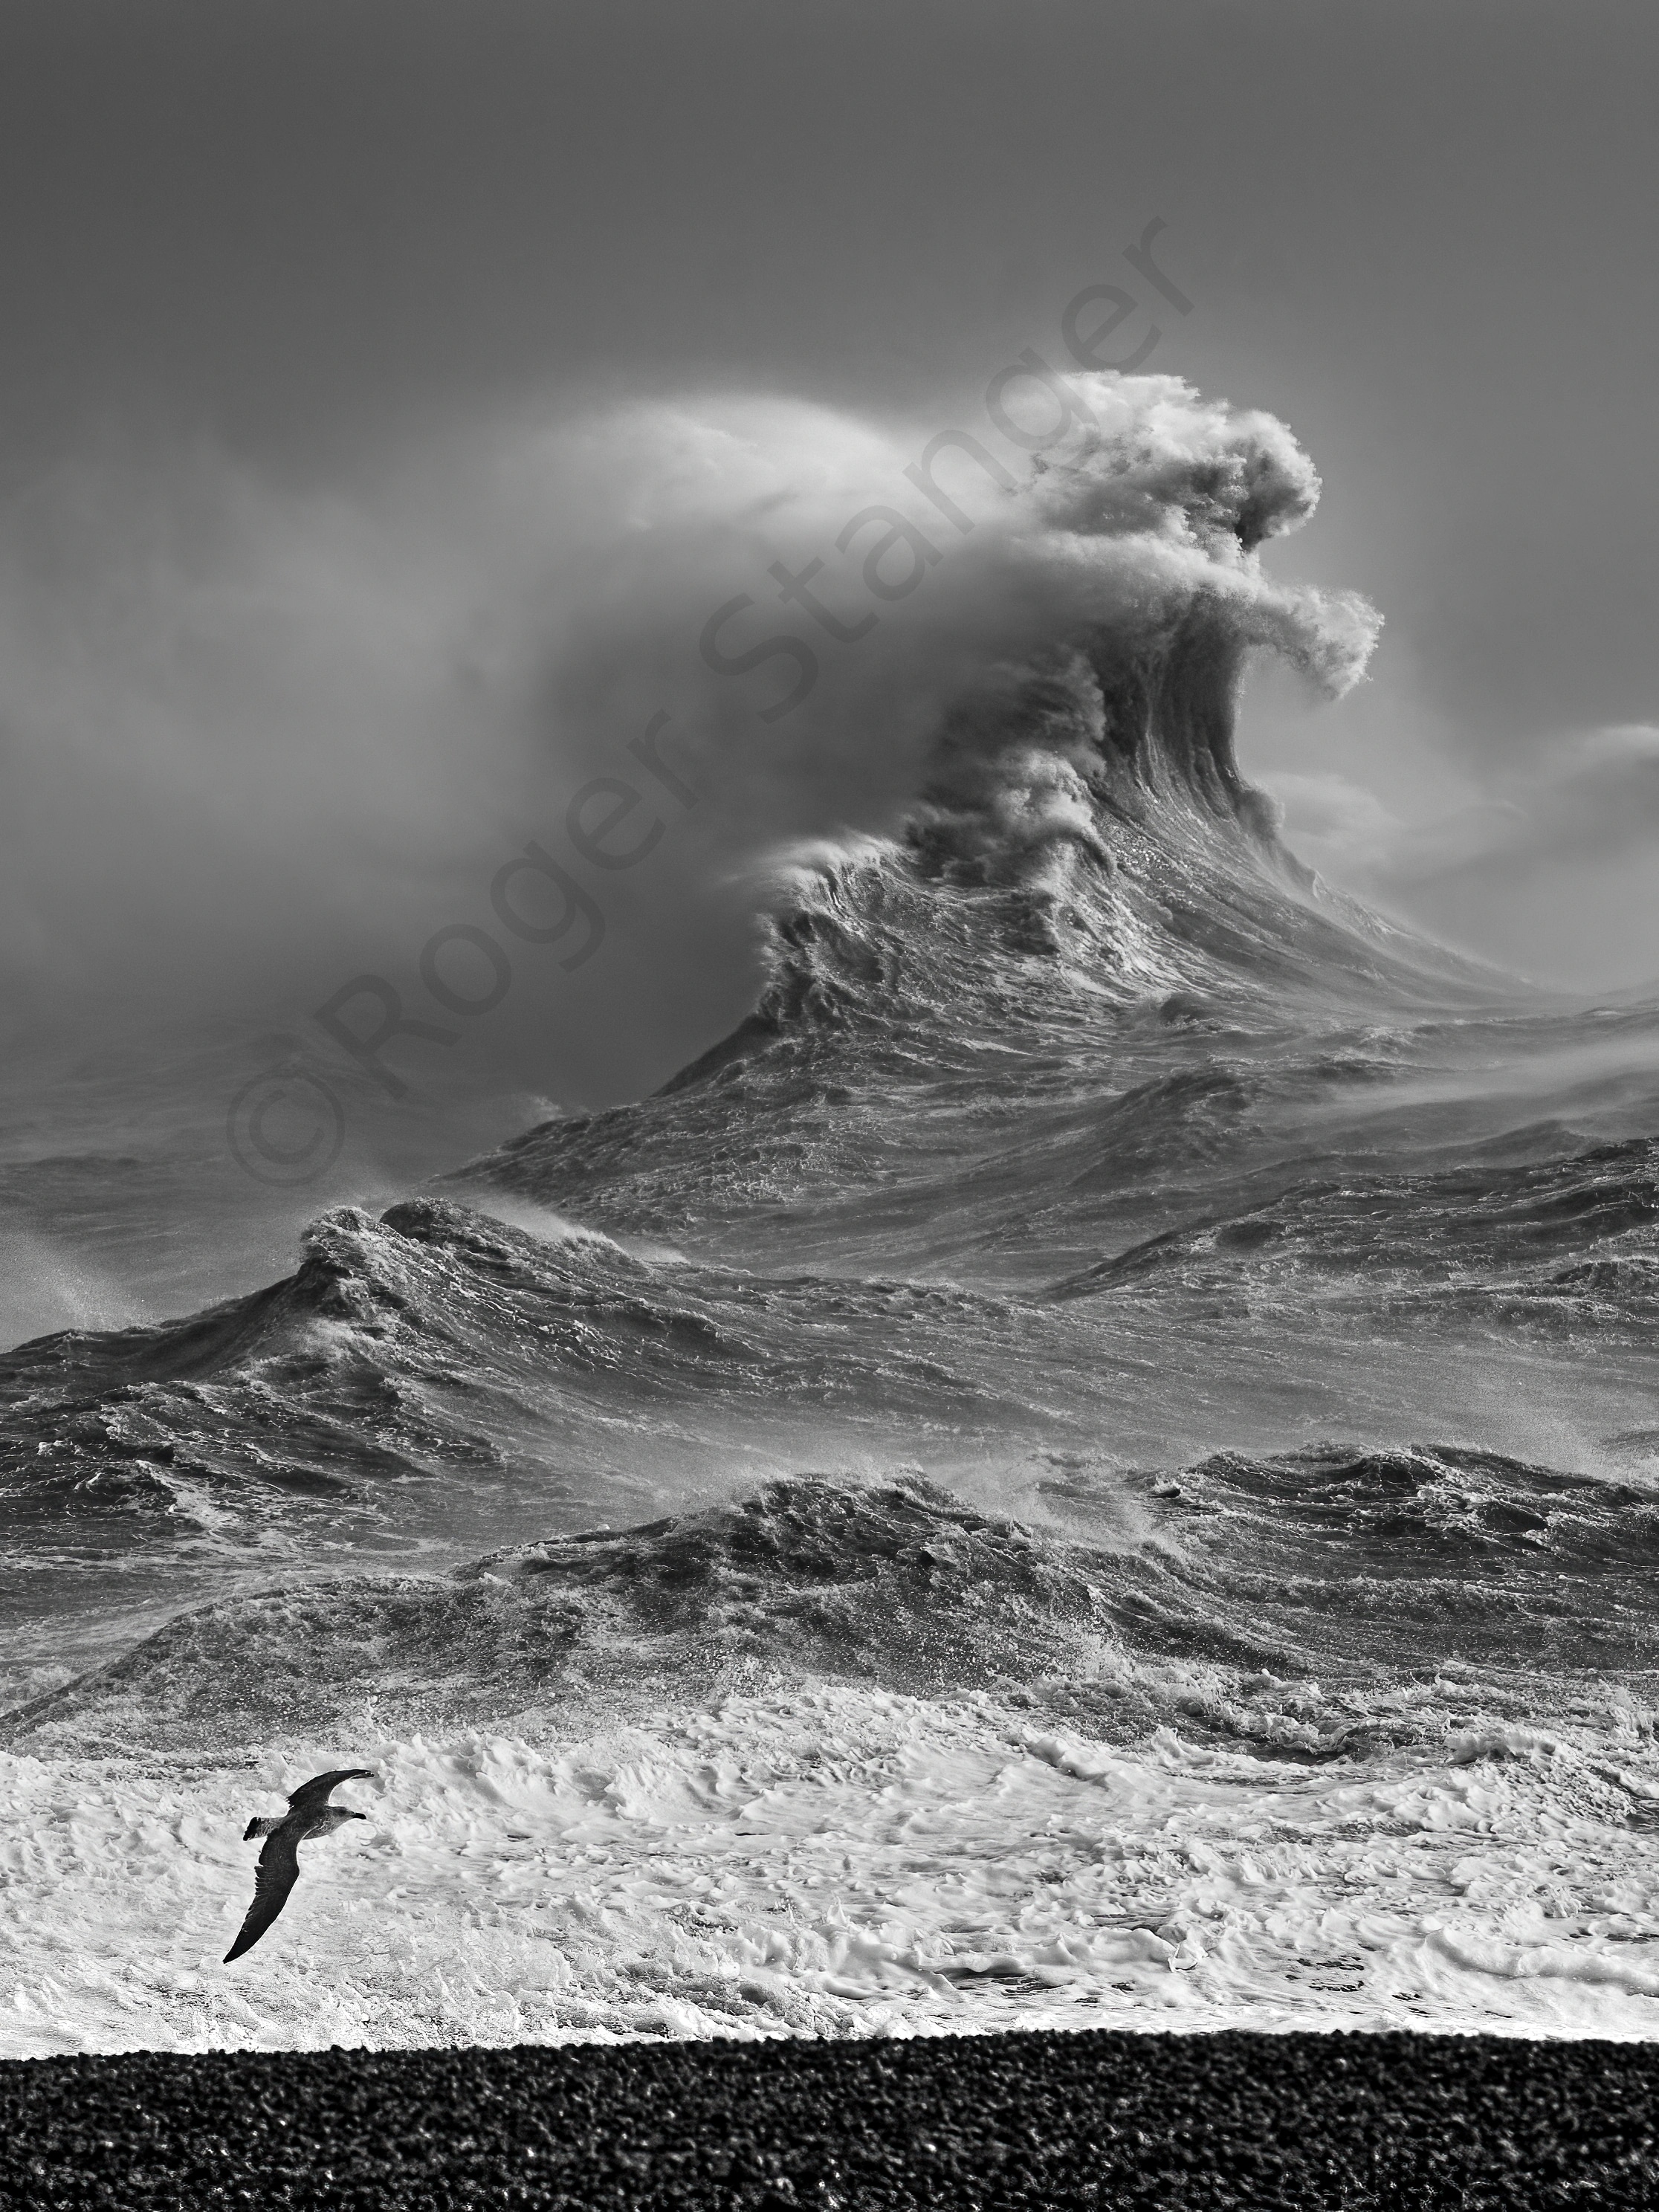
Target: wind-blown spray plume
[(1124, 567), (295, 734)]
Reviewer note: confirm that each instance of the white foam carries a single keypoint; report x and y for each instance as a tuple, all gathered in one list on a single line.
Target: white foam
[(837, 1862)]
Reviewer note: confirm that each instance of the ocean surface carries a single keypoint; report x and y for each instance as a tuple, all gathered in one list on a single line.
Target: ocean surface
[(1094, 1464)]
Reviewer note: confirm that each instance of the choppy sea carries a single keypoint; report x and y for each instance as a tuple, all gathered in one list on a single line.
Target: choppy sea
[(1094, 1462)]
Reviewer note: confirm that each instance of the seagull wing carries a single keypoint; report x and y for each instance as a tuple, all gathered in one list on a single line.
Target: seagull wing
[(278, 1870), (309, 1794)]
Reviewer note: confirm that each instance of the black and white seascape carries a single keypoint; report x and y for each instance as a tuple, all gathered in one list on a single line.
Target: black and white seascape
[(780, 1117)]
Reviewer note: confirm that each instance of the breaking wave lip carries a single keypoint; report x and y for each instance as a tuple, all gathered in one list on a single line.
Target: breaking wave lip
[(897, 1584), (1214, 1612)]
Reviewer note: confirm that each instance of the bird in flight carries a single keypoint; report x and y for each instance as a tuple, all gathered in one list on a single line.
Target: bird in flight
[(309, 1813)]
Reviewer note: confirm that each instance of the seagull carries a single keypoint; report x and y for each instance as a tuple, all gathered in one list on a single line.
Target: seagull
[(309, 1813)]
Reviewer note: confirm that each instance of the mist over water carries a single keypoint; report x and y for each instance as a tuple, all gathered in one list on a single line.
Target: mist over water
[(1084, 1454)]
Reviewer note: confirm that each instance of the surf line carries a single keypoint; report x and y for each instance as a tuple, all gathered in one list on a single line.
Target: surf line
[(294, 1092)]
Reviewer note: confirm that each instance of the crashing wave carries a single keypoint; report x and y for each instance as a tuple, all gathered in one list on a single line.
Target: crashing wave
[(900, 1586), (1082, 849)]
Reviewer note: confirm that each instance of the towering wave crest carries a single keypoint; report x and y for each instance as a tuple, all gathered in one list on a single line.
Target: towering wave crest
[(1144, 544), (1072, 634), (1032, 751), (1066, 846)]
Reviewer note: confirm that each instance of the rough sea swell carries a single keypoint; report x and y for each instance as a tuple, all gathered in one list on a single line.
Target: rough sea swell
[(1094, 1460)]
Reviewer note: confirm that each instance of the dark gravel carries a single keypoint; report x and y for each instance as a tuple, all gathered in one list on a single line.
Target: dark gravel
[(1102, 2119)]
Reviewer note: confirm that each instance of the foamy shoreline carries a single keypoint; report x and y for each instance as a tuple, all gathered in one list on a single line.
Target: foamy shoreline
[(830, 1863)]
